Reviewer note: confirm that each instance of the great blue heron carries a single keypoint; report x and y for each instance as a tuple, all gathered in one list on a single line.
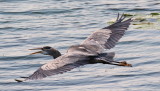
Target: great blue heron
[(91, 50)]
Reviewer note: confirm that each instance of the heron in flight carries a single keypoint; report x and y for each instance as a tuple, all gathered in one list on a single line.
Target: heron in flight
[(91, 50)]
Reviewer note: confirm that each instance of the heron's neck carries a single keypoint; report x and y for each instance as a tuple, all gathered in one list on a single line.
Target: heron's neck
[(55, 54)]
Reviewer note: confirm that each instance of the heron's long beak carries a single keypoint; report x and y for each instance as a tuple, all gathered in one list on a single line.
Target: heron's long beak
[(37, 51)]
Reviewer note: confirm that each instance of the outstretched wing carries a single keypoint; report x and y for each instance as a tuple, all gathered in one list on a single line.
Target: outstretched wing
[(58, 66), (107, 37)]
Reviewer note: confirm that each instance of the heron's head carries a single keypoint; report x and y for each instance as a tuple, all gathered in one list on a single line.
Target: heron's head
[(47, 50)]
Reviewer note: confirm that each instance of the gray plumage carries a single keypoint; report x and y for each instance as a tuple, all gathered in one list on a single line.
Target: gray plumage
[(90, 48), (107, 37), (60, 65)]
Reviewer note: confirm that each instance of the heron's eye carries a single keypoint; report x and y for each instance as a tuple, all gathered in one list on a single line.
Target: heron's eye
[(47, 47)]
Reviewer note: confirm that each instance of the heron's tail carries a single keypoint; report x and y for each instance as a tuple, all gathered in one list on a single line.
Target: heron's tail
[(106, 56), (110, 55)]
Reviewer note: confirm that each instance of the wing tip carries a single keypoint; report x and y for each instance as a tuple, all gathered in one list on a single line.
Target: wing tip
[(122, 17), (120, 20)]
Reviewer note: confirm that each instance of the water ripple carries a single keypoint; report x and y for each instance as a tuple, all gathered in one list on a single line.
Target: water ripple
[(26, 24)]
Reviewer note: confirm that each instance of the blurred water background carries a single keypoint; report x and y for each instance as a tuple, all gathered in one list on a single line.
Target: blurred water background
[(26, 24)]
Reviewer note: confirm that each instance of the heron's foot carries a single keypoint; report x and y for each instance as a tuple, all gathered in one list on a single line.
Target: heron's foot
[(124, 63)]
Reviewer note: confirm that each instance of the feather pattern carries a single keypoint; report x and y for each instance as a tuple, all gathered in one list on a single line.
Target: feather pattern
[(60, 65), (106, 38)]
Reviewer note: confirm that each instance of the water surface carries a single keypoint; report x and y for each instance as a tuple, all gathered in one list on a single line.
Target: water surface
[(26, 24)]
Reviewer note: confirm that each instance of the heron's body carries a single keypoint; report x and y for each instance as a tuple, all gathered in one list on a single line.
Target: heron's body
[(91, 50)]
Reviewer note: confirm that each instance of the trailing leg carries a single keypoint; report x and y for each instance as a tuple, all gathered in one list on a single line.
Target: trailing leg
[(107, 58)]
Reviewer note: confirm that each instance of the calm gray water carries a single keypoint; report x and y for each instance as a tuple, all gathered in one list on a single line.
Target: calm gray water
[(26, 24)]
